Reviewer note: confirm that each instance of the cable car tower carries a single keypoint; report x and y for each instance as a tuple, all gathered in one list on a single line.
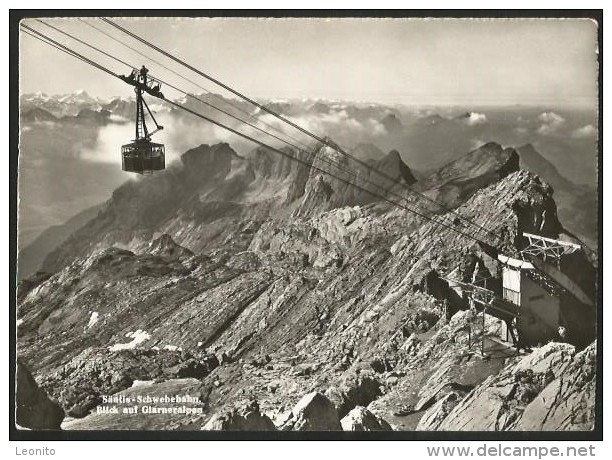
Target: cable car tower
[(143, 156)]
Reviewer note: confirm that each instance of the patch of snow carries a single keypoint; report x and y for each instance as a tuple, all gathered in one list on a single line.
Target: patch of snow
[(142, 383), (172, 348), (93, 319), (19, 322), (137, 337)]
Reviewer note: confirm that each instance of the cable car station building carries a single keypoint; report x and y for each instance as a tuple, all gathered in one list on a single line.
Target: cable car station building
[(551, 306), (543, 295)]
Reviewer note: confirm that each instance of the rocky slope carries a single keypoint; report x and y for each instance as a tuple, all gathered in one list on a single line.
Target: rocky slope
[(550, 390), (216, 193), (280, 297)]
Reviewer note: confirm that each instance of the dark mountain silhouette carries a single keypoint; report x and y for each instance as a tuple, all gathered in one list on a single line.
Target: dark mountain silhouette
[(37, 114), (577, 204), (31, 257), (392, 124)]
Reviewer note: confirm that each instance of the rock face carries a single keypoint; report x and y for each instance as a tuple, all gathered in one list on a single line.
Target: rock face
[(550, 389), (436, 414), (314, 412), (354, 390), (150, 415), (80, 384), (568, 402), (461, 177), (33, 408), (361, 419), (223, 274), (244, 417)]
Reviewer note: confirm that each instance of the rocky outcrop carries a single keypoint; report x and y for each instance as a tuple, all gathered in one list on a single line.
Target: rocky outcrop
[(33, 408), (164, 246), (456, 181), (568, 402), (392, 168), (314, 412), (354, 390), (27, 285), (550, 389), (244, 417), (435, 415), (317, 194), (80, 384), (361, 419)]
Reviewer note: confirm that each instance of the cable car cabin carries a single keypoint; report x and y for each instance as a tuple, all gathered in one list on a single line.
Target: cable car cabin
[(143, 157)]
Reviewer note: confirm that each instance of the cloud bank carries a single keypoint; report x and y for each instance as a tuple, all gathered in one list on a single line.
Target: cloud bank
[(551, 122), (584, 132)]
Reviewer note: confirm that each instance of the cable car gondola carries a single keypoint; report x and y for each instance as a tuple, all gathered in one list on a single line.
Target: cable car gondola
[(143, 156)]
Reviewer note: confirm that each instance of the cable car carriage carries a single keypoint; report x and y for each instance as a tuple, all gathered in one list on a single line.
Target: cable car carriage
[(143, 156)]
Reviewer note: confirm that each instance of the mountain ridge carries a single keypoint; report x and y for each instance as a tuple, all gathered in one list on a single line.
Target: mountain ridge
[(217, 176), (339, 294)]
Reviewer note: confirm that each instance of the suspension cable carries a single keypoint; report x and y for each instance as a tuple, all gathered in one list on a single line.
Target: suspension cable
[(284, 119), (73, 53), (331, 162), (66, 49), (206, 90), (262, 144), (164, 82)]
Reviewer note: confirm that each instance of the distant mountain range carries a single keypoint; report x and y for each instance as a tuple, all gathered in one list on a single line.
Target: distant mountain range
[(60, 104), (69, 141)]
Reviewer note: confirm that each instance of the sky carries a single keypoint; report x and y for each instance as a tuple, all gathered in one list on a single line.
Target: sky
[(406, 61)]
